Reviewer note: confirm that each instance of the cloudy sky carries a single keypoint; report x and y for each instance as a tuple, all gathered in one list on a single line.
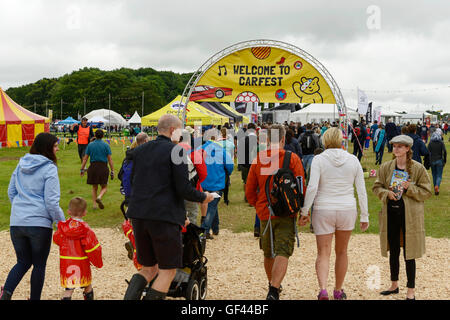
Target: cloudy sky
[(397, 51)]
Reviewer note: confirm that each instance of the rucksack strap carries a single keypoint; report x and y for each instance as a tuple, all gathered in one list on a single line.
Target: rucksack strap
[(287, 159)]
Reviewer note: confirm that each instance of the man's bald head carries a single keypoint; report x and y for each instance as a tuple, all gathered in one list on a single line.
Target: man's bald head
[(167, 124), (141, 138)]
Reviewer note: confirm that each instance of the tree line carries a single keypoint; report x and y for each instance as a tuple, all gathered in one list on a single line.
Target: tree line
[(89, 88)]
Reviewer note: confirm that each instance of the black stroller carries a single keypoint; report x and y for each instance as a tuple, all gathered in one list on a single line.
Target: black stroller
[(191, 281)]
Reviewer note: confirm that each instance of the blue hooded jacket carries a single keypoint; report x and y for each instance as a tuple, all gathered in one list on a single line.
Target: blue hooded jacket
[(34, 193), (419, 148), (218, 161)]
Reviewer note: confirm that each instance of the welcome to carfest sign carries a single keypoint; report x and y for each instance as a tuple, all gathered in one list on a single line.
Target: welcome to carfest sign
[(262, 74)]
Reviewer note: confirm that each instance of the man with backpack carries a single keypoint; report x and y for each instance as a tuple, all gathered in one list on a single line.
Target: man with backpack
[(359, 138), (246, 151), (276, 199), (309, 142)]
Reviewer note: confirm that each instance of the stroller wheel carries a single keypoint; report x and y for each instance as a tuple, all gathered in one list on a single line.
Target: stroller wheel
[(193, 290), (203, 288)]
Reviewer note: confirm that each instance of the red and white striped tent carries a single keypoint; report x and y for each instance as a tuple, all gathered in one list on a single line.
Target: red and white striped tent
[(19, 126)]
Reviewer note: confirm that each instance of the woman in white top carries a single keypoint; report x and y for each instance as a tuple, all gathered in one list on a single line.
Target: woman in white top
[(330, 187)]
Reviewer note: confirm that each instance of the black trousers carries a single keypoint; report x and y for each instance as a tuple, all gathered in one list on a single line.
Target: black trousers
[(357, 150), (396, 228)]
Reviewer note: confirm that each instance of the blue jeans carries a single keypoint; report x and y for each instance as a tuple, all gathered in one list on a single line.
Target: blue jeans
[(437, 168), (257, 222), (307, 159), (379, 154), (212, 216), (32, 246)]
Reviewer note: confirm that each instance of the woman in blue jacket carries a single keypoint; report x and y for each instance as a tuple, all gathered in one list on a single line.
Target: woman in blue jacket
[(34, 194), (381, 139)]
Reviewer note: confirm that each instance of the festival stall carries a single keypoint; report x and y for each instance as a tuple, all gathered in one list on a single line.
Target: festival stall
[(194, 113), (135, 119), (68, 120), (112, 117), (245, 119), (321, 112), (217, 108), (19, 126)]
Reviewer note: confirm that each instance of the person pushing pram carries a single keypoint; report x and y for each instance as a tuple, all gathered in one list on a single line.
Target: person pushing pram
[(160, 185)]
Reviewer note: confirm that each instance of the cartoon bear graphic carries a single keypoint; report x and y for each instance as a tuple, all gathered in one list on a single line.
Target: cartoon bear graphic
[(308, 90)]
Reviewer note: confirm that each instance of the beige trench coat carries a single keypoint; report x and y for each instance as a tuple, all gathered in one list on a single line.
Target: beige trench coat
[(419, 190)]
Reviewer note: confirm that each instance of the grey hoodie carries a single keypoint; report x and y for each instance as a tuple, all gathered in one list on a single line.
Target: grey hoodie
[(34, 193)]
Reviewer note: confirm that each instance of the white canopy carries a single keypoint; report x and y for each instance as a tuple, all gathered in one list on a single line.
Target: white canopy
[(321, 112), (98, 119), (111, 116), (135, 119)]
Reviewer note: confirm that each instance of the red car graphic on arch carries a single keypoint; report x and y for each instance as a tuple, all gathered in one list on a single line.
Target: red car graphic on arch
[(206, 92)]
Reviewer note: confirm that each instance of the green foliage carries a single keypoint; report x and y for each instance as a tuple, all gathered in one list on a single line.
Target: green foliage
[(125, 86)]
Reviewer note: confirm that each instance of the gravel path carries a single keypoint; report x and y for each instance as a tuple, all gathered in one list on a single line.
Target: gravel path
[(235, 269)]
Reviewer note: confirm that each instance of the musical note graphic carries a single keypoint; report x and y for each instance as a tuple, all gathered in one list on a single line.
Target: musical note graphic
[(220, 70)]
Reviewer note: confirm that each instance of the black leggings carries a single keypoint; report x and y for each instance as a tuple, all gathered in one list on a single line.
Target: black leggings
[(396, 225)]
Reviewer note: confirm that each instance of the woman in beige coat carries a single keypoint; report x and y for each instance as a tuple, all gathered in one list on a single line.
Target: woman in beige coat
[(402, 221)]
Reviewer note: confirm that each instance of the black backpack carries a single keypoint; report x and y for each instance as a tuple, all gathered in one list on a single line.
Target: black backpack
[(308, 143), (286, 197)]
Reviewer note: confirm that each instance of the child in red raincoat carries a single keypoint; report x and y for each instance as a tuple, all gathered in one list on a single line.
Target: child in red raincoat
[(78, 249), (130, 245)]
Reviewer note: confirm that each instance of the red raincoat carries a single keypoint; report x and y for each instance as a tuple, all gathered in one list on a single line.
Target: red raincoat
[(128, 231), (78, 249)]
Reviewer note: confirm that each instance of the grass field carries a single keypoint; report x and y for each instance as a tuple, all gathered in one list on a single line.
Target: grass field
[(237, 217)]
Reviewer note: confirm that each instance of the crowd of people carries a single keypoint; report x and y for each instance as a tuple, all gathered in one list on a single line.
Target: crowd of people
[(186, 171)]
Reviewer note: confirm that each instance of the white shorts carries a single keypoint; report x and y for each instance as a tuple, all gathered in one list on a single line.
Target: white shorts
[(328, 221)]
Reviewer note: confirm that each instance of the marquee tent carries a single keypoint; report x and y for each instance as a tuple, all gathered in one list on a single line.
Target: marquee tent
[(135, 119), (321, 112), (244, 118), (217, 108), (238, 117), (194, 113), (98, 119), (19, 126), (113, 117), (68, 120)]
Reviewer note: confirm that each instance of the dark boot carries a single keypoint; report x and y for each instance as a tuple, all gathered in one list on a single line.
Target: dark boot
[(89, 295), (152, 294), (273, 294), (202, 219), (5, 295), (130, 249), (135, 287)]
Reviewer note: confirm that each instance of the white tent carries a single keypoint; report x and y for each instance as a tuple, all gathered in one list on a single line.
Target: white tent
[(98, 119), (320, 112), (113, 117), (135, 119)]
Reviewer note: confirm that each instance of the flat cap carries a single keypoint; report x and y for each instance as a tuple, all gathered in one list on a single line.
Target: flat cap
[(402, 139)]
